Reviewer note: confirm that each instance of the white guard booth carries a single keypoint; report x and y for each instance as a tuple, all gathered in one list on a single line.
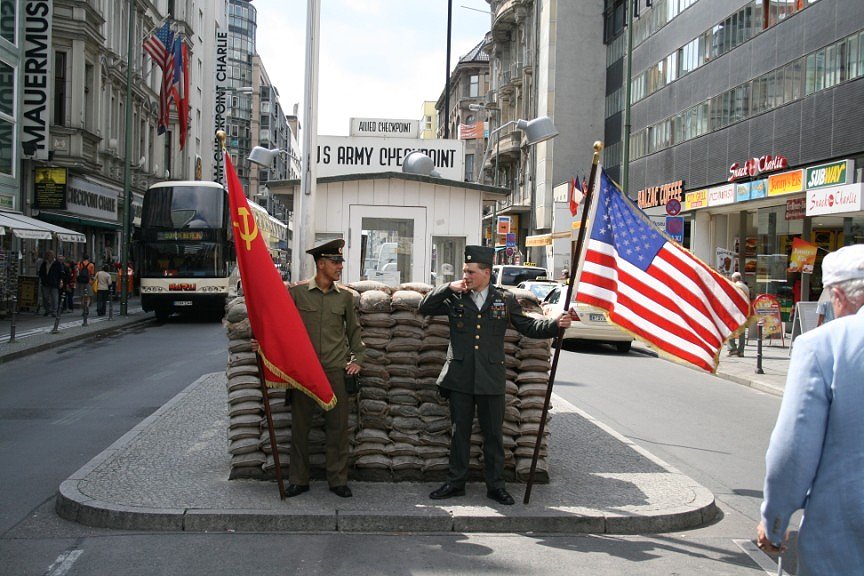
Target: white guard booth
[(397, 227)]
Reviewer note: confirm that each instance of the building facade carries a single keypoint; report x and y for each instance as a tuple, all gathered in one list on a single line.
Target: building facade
[(68, 147), (745, 112)]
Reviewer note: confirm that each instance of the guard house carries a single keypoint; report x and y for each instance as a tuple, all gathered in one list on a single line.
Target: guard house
[(398, 227)]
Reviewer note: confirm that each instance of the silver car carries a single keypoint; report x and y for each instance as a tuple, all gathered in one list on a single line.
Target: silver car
[(592, 324)]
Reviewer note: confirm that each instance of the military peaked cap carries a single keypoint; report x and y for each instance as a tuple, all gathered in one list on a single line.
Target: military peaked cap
[(331, 249)]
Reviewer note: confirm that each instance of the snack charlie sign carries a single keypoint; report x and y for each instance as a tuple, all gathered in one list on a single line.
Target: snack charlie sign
[(340, 155)]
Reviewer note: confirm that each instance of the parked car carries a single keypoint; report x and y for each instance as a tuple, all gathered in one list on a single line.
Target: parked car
[(540, 288), (509, 276), (592, 324)]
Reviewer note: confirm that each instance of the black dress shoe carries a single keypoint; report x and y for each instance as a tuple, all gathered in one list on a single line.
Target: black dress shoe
[(341, 491), (447, 491), (501, 496), (296, 490)]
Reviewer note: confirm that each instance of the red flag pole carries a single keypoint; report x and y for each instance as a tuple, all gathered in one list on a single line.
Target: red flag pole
[(270, 429), (574, 260)]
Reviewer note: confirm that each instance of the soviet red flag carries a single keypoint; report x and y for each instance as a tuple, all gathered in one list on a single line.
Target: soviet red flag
[(286, 352)]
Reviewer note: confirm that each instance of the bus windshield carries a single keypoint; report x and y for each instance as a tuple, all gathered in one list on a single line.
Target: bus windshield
[(185, 259), (178, 208)]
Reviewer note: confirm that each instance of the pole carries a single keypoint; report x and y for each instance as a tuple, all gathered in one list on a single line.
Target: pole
[(127, 169), (625, 145), (447, 77), (306, 199), (497, 152), (272, 432), (574, 259), (759, 326)]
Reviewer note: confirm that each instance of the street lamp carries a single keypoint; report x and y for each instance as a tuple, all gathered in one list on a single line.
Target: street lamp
[(536, 131)]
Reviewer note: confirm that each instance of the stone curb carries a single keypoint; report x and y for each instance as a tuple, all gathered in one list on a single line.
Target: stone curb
[(67, 336)]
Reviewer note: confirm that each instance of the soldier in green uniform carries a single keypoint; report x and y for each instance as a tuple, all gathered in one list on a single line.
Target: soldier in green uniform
[(331, 321), (474, 375)]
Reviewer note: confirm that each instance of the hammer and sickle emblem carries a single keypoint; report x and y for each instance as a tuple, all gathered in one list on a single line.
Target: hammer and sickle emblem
[(245, 233)]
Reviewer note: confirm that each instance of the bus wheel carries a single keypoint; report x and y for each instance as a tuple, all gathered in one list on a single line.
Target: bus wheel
[(162, 314)]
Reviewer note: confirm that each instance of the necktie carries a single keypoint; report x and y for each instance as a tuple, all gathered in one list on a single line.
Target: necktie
[(478, 299)]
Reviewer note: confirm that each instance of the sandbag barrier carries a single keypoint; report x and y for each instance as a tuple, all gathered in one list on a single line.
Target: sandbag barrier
[(399, 426)]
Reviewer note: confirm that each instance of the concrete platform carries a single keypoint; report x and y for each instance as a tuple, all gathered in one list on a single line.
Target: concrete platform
[(170, 473)]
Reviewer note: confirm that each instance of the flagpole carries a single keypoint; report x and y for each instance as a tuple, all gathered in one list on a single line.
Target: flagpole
[(270, 429), (574, 260)]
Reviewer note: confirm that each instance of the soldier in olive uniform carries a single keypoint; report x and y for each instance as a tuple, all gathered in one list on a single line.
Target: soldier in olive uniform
[(474, 374), (331, 321)]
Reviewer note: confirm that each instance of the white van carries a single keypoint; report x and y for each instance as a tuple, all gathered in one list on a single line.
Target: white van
[(509, 276)]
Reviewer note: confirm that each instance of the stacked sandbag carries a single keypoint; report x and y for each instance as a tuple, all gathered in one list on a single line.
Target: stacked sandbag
[(245, 399), (399, 424)]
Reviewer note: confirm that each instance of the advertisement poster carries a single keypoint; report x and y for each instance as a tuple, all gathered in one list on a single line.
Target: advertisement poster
[(766, 307), (725, 261), (503, 224), (803, 256)]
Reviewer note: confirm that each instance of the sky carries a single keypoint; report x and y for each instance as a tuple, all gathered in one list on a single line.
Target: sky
[(378, 58)]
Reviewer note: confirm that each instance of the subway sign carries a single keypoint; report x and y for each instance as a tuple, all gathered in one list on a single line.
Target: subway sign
[(833, 174)]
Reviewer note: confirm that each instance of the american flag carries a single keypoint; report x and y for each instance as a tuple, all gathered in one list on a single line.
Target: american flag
[(160, 46), (652, 287)]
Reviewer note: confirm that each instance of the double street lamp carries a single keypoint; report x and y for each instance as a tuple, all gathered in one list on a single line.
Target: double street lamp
[(537, 130)]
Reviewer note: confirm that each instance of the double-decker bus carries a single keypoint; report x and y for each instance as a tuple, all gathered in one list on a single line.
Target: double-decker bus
[(185, 248)]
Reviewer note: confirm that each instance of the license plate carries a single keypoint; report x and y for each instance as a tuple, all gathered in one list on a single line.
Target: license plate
[(596, 317), (182, 303)]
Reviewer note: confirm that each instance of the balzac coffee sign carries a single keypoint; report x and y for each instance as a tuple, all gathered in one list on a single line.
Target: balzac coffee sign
[(660, 195), (756, 166)]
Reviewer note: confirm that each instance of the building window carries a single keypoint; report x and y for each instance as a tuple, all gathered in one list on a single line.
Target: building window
[(474, 86), (8, 20), (469, 167), (60, 88)]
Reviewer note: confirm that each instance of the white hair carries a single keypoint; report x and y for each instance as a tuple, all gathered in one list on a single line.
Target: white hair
[(854, 290)]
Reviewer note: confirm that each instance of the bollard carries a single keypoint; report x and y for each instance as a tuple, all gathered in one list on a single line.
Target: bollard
[(56, 328), (759, 348), (110, 307), (13, 303)]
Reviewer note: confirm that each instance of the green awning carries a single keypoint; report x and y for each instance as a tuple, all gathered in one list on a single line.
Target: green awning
[(69, 219)]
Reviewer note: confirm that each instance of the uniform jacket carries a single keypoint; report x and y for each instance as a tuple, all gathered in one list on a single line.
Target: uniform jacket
[(815, 460), (331, 322), (475, 357)]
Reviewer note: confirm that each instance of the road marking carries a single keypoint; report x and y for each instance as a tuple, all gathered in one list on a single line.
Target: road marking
[(760, 558), (64, 563)]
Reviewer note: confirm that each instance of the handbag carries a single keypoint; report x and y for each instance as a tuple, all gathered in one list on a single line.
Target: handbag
[(352, 383)]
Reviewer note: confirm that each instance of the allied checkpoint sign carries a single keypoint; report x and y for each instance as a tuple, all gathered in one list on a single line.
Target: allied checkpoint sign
[(341, 155)]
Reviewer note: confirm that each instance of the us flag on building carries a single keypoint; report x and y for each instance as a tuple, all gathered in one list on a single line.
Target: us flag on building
[(652, 287), (160, 46)]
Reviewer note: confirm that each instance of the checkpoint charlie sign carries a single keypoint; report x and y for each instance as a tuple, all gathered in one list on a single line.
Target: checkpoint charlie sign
[(340, 155)]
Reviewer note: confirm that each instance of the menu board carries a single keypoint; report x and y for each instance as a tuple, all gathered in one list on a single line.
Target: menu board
[(49, 188)]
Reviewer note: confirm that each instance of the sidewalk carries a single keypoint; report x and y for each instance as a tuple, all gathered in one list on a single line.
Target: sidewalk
[(171, 473), (33, 332)]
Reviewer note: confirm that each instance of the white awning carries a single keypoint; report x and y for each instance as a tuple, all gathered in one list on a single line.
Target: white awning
[(33, 229)]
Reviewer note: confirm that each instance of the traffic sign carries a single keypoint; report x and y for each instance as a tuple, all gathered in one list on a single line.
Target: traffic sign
[(673, 207)]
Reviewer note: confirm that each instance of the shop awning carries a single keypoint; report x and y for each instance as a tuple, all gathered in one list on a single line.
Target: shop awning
[(32, 229)]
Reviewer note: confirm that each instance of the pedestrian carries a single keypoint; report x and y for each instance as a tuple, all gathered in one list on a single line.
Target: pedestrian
[(103, 288), (83, 283), (71, 270), (474, 375), (824, 308), (816, 454), (734, 349), (51, 275), (328, 313)]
